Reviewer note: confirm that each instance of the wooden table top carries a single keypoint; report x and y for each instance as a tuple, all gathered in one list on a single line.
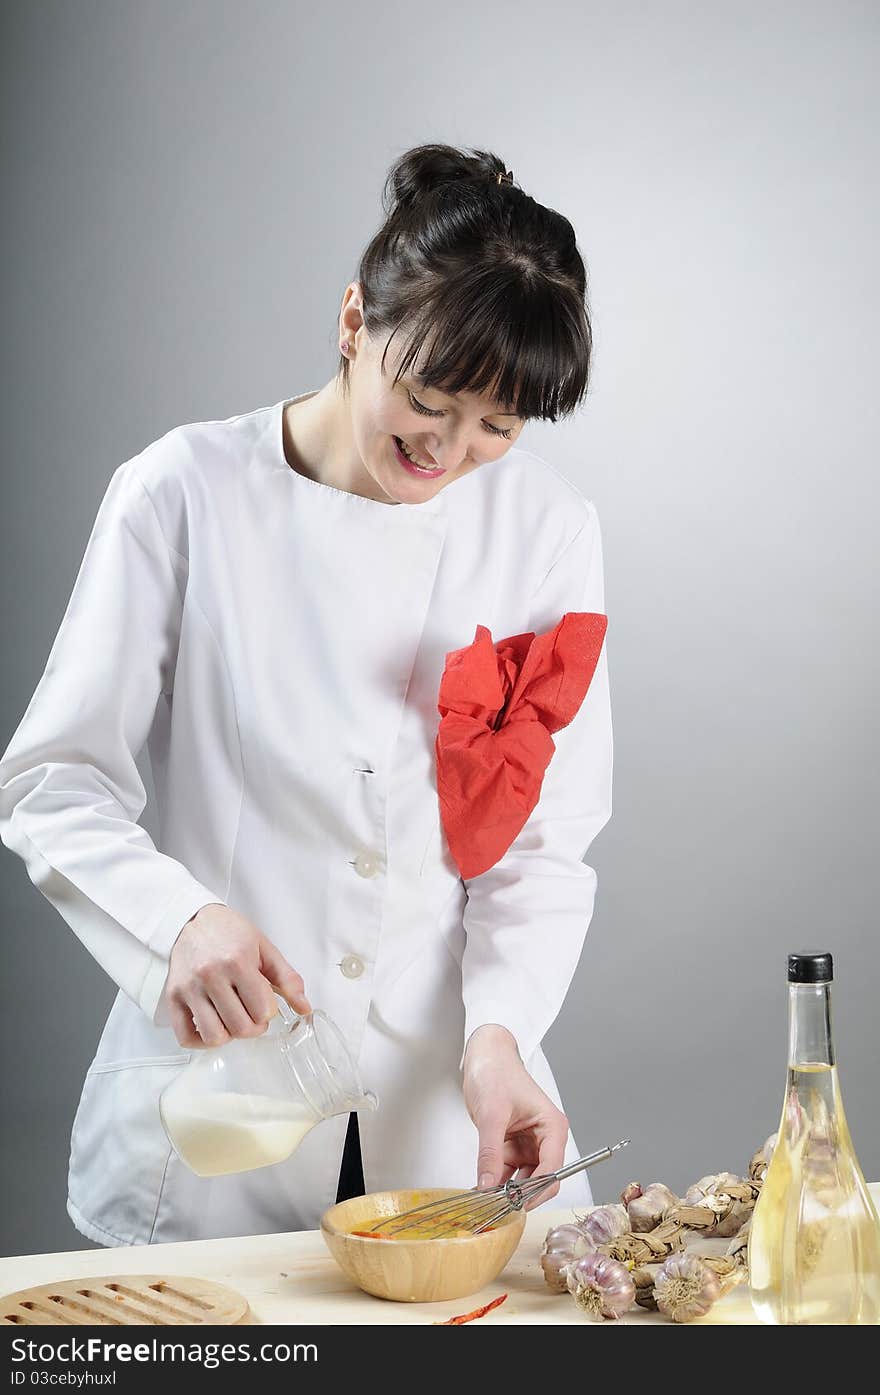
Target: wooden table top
[(292, 1279)]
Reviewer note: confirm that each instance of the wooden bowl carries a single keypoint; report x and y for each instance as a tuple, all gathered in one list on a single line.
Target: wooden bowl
[(415, 1271)]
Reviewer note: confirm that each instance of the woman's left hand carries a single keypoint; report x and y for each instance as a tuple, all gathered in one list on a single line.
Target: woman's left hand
[(520, 1128)]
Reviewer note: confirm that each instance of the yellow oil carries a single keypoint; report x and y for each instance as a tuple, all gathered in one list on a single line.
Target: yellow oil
[(814, 1245), (417, 1230), (420, 1227)]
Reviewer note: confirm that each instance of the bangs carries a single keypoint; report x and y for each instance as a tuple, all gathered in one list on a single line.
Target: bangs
[(519, 340)]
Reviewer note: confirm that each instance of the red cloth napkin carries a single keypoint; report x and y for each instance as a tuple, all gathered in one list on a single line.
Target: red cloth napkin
[(499, 705)]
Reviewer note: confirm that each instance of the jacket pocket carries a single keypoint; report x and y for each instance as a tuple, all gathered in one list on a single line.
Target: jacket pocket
[(119, 1151)]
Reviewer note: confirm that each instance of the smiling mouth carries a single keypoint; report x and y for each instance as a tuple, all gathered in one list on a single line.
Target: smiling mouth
[(429, 471)]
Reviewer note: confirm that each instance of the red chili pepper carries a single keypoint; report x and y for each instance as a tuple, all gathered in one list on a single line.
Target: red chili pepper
[(469, 1317)]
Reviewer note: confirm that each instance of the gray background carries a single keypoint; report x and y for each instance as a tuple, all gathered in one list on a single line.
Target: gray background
[(188, 187)]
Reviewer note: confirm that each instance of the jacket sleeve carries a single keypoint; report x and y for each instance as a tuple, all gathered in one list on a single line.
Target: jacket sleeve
[(527, 916), (70, 791)]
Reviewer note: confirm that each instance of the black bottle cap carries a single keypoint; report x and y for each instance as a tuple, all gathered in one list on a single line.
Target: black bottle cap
[(810, 968)]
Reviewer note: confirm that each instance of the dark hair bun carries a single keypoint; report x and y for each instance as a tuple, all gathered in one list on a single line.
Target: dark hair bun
[(428, 167), (485, 286)]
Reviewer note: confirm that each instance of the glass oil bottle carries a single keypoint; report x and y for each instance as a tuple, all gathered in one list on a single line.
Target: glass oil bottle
[(814, 1244)]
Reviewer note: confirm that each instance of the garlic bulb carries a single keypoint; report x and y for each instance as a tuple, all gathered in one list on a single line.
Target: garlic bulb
[(685, 1288), (630, 1192), (566, 1243), (716, 1193), (554, 1265), (712, 1185), (562, 1245), (603, 1223), (647, 1210), (602, 1287)]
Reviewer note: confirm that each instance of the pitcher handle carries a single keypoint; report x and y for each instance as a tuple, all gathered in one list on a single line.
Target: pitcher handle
[(286, 1012)]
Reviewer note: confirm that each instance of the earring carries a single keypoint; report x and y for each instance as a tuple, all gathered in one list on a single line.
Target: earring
[(345, 346)]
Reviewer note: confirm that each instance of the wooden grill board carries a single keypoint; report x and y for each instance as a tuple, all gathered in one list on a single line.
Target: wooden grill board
[(121, 1300)]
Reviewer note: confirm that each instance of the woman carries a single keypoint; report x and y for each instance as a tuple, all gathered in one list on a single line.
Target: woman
[(269, 603)]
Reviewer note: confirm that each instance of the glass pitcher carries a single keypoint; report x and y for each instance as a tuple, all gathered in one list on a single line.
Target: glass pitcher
[(251, 1102)]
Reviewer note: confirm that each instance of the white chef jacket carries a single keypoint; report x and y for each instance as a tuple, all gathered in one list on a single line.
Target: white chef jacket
[(278, 644)]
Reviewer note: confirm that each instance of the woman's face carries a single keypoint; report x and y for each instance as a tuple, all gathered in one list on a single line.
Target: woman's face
[(448, 436)]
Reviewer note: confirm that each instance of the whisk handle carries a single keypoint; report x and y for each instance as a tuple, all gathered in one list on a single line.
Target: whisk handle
[(580, 1164)]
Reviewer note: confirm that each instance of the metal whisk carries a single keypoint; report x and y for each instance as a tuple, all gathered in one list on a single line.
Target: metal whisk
[(476, 1210)]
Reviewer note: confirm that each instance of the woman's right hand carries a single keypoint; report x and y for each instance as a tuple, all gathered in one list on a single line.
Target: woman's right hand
[(221, 978)]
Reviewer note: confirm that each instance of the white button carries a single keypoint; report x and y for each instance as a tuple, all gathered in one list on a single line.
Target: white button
[(366, 864), (351, 966)]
